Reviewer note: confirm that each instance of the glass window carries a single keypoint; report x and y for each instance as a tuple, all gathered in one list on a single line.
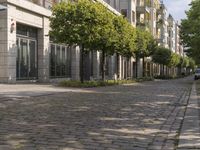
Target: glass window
[(63, 62), (52, 61), (124, 12), (115, 4), (26, 31), (107, 65), (33, 59), (18, 58), (21, 30), (198, 71), (68, 62), (60, 61), (133, 16)]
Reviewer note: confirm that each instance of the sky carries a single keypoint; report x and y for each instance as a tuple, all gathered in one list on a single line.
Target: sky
[(177, 8)]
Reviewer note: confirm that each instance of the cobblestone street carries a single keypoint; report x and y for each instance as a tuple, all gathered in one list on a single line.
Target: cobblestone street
[(139, 116)]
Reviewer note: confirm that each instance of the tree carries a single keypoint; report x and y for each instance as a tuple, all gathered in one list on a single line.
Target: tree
[(125, 38), (174, 60), (75, 24), (151, 45), (151, 48), (190, 31), (192, 64), (185, 62), (140, 47), (145, 45), (107, 35), (162, 56)]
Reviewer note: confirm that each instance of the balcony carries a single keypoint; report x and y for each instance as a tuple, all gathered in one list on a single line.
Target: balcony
[(143, 25), (143, 9), (44, 3)]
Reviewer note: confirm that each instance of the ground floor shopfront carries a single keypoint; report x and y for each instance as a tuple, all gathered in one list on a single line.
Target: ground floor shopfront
[(26, 52)]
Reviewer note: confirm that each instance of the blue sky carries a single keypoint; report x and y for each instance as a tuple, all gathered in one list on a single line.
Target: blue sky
[(177, 8)]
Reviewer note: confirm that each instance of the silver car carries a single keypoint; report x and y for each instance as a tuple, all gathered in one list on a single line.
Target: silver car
[(197, 74)]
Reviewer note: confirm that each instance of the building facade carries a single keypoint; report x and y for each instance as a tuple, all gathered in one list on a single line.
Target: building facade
[(24, 41), (162, 26), (27, 53), (172, 33)]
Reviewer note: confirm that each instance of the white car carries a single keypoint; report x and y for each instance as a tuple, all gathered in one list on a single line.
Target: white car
[(197, 74)]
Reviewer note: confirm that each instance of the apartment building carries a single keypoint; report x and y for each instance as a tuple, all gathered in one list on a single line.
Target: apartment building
[(162, 26), (24, 41), (27, 53), (147, 14), (147, 19), (171, 33), (178, 46), (127, 8)]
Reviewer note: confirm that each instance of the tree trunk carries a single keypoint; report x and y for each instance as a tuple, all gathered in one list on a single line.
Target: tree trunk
[(81, 64), (103, 66)]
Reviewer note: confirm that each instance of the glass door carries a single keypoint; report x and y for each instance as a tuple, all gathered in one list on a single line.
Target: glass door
[(32, 59), (26, 59)]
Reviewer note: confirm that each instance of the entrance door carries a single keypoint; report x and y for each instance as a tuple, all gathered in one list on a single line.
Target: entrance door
[(26, 59)]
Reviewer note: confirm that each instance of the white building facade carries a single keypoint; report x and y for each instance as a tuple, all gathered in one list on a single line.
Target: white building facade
[(27, 53)]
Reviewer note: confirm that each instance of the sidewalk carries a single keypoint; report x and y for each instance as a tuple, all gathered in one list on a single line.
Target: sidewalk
[(190, 132)]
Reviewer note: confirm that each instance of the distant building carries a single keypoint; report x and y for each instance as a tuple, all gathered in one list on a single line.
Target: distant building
[(162, 26), (172, 33)]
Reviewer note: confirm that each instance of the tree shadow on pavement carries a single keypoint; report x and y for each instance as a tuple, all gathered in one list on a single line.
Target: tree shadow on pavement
[(116, 118)]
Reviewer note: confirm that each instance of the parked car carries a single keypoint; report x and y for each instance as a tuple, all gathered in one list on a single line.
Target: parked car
[(197, 74)]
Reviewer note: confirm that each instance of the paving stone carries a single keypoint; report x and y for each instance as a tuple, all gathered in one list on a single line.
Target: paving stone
[(138, 116)]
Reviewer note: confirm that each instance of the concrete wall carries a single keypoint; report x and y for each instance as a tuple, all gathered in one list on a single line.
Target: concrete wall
[(3, 46), (43, 51), (23, 12)]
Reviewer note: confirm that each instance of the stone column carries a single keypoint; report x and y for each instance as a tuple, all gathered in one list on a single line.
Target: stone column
[(120, 67), (8, 49), (140, 68), (75, 64), (131, 67), (43, 51), (96, 64), (112, 66), (3, 45)]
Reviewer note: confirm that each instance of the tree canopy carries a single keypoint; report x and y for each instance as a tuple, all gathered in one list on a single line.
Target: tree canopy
[(93, 27), (174, 60), (190, 31), (162, 56), (75, 23), (125, 38)]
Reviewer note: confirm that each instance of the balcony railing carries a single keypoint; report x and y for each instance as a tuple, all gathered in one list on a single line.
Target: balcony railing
[(44, 3), (145, 25), (144, 3)]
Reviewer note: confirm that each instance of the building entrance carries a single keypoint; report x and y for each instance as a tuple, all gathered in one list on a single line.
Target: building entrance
[(26, 62)]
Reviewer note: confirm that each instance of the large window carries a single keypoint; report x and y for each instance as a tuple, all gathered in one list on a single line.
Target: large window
[(124, 13), (133, 16), (27, 57), (26, 31), (60, 61)]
